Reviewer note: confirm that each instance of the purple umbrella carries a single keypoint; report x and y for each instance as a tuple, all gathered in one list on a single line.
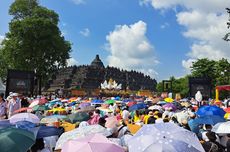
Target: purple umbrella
[(24, 117), (84, 104), (169, 106)]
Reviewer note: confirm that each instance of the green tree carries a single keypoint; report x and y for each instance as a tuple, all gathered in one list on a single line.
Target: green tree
[(34, 41), (180, 85), (218, 71)]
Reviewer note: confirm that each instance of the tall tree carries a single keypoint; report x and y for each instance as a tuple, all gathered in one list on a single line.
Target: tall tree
[(34, 41)]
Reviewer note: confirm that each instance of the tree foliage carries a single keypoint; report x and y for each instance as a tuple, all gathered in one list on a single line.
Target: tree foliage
[(179, 85), (34, 41), (218, 71)]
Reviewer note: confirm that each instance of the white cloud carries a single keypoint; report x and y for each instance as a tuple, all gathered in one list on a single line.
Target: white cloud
[(165, 25), (78, 2), (85, 32), (71, 62), (205, 24), (187, 64), (130, 49)]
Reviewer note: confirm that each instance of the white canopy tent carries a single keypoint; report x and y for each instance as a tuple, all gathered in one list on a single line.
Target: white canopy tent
[(2, 87)]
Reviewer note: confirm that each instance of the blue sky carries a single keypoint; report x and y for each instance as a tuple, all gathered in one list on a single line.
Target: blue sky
[(159, 38)]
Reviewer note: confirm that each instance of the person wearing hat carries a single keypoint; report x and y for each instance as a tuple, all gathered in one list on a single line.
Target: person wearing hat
[(14, 104)]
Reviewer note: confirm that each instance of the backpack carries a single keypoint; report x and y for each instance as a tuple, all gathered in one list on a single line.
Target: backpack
[(216, 147)]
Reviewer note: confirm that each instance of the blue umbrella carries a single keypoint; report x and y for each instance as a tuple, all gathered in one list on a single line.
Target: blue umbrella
[(72, 103), (25, 125), (46, 131), (137, 106), (5, 123), (210, 110), (208, 119), (117, 98), (126, 100), (161, 102), (97, 101)]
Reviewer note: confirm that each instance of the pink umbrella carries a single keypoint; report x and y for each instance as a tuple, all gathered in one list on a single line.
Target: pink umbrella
[(34, 103), (38, 101), (111, 122), (43, 100), (91, 143)]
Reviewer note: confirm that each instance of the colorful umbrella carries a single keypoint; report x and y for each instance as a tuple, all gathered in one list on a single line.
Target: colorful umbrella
[(111, 122), (110, 101), (81, 132), (222, 128), (53, 118), (164, 137), (97, 101), (43, 100), (156, 107), (210, 110), (80, 116), (137, 107), (25, 125), (84, 104), (46, 131), (91, 143), (5, 123), (131, 103), (40, 108), (168, 99), (209, 119), (161, 102), (169, 106), (24, 117), (227, 110), (34, 103), (22, 110), (15, 140)]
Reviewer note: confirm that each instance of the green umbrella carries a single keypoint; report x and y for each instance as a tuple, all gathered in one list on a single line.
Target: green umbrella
[(80, 116), (15, 140), (40, 108), (110, 101)]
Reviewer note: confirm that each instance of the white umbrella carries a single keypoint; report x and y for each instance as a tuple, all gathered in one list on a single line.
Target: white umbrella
[(156, 107), (222, 128), (164, 137), (81, 132), (34, 103), (24, 117), (181, 116)]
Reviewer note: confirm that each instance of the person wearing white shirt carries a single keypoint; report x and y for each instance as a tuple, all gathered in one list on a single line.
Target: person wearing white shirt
[(125, 115)]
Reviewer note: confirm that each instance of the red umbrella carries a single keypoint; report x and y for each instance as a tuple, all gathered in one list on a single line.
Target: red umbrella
[(43, 100), (22, 110), (131, 103), (227, 110)]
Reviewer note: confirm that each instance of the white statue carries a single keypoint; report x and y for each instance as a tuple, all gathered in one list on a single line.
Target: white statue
[(198, 96)]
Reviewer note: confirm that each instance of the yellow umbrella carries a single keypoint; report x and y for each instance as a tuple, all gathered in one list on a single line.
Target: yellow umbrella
[(227, 116), (68, 126), (169, 100)]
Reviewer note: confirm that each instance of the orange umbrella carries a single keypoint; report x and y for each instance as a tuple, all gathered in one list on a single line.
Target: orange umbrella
[(133, 128)]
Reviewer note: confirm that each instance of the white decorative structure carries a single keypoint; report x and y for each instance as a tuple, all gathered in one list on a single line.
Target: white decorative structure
[(111, 85)]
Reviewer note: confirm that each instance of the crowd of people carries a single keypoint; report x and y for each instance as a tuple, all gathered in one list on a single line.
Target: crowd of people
[(123, 118)]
